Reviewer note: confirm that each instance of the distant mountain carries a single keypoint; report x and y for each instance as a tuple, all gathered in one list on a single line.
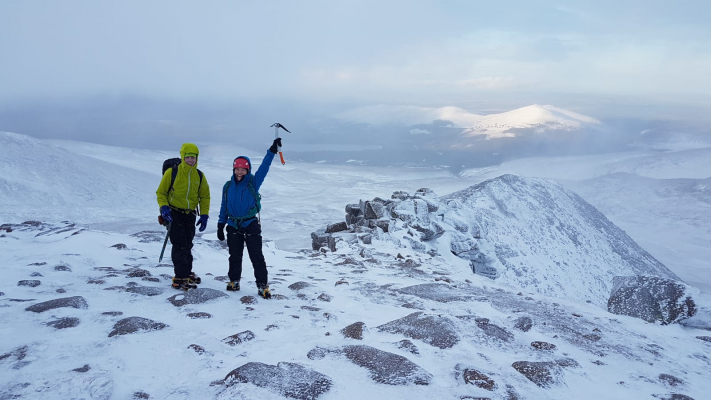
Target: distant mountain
[(535, 234), (531, 119)]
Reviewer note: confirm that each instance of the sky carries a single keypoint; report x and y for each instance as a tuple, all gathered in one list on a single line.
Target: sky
[(425, 52)]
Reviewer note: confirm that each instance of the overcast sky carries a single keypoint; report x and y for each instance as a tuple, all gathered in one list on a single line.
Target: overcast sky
[(366, 51)]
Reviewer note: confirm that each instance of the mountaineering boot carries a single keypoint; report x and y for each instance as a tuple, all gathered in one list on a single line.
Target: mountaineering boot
[(182, 284), (194, 279), (232, 286), (264, 292)]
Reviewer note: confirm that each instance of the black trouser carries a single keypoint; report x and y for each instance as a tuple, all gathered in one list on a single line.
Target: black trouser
[(236, 238), (182, 232)]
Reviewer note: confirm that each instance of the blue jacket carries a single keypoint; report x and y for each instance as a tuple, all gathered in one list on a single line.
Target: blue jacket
[(237, 199)]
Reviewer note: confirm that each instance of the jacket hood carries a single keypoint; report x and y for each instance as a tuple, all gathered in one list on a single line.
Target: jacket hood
[(189, 148)]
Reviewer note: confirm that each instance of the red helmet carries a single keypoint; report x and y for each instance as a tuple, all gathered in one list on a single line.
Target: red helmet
[(241, 162)]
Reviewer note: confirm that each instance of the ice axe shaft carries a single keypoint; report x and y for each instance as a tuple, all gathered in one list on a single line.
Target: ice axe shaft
[(167, 235), (276, 126)]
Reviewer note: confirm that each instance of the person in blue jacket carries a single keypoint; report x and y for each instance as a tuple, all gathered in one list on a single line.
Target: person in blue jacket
[(239, 211)]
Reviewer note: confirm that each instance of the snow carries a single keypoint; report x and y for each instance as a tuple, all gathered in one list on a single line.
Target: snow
[(107, 196)]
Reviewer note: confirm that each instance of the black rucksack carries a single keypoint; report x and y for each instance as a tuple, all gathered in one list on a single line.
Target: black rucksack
[(173, 163)]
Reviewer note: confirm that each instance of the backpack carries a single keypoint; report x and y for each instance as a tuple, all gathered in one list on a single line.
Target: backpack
[(254, 211), (173, 163)]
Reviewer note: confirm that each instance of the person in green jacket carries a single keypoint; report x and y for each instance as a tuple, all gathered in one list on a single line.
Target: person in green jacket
[(180, 205)]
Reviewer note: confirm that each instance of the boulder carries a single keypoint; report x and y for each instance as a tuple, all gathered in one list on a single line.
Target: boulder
[(73, 302), (387, 368), (434, 330), (196, 296), (135, 324), (290, 380), (652, 299)]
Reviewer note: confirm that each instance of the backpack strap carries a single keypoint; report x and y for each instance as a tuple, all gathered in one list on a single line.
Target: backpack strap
[(253, 212), (174, 174)]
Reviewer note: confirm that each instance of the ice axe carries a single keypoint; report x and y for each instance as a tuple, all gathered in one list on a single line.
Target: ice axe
[(276, 127), (167, 235)]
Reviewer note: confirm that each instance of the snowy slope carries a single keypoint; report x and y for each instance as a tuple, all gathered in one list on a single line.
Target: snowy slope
[(539, 236), (44, 182)]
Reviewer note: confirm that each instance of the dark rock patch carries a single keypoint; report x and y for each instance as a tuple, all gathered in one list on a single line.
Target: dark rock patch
[(354, 331), (199, 315), (310, 308), (325, 297), (141, 395), (83, 369), (30, 283), (62, 268), (120, 246), (543, 345), (145, 290), (494, 330), (150, 279), (63, 323), (36, 274), (96, 281), (407, 346), (135, 324), (342, 282), (288, 379), (112, 313), (652, 299), (435, 291), (239, 338), (670, 380), (19, 354), (195, 296), (60, 290), (137, 273), (434, 330), (37, 264), (387, 368), (248, 300), (197, 348), (299, 285), (475, 377), (523, 324), (542, 373), (73, 302), (704, 338)]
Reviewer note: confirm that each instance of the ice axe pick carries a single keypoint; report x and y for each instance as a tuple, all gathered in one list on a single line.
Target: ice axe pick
[(276, 127)]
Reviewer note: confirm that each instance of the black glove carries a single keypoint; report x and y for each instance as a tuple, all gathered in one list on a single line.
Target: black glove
[(221, 231), (274, 148)]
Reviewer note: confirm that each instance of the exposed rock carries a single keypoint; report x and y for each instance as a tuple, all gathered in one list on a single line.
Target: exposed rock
[(112, 313), (700, 320), (387, 368), (120, 246), (524, 324), (670, 380), (199, 315), (407, 346), (30, 283), (248, 300), (494, 330), (36, 274), (434, 330), (141, 395), (145, 290), (196, 296), (477, 378), (135, 324), (337, 227), (310, 308), (354, 330), (543, 345), (542, 373), (652, 299), (239, 338), (73, 302), (197, 348), (325, 297), (288, 379), (137, 273), (299, 285), (62, 268), (83, 369), (436, 291), (373, 210), (62, 323), (704, 338), (19, 354)]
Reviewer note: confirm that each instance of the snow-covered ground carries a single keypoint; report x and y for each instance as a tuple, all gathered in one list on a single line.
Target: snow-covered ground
[(467, 322)]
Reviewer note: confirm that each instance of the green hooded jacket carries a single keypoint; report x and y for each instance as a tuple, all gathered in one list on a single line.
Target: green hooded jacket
[(187, 191)]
